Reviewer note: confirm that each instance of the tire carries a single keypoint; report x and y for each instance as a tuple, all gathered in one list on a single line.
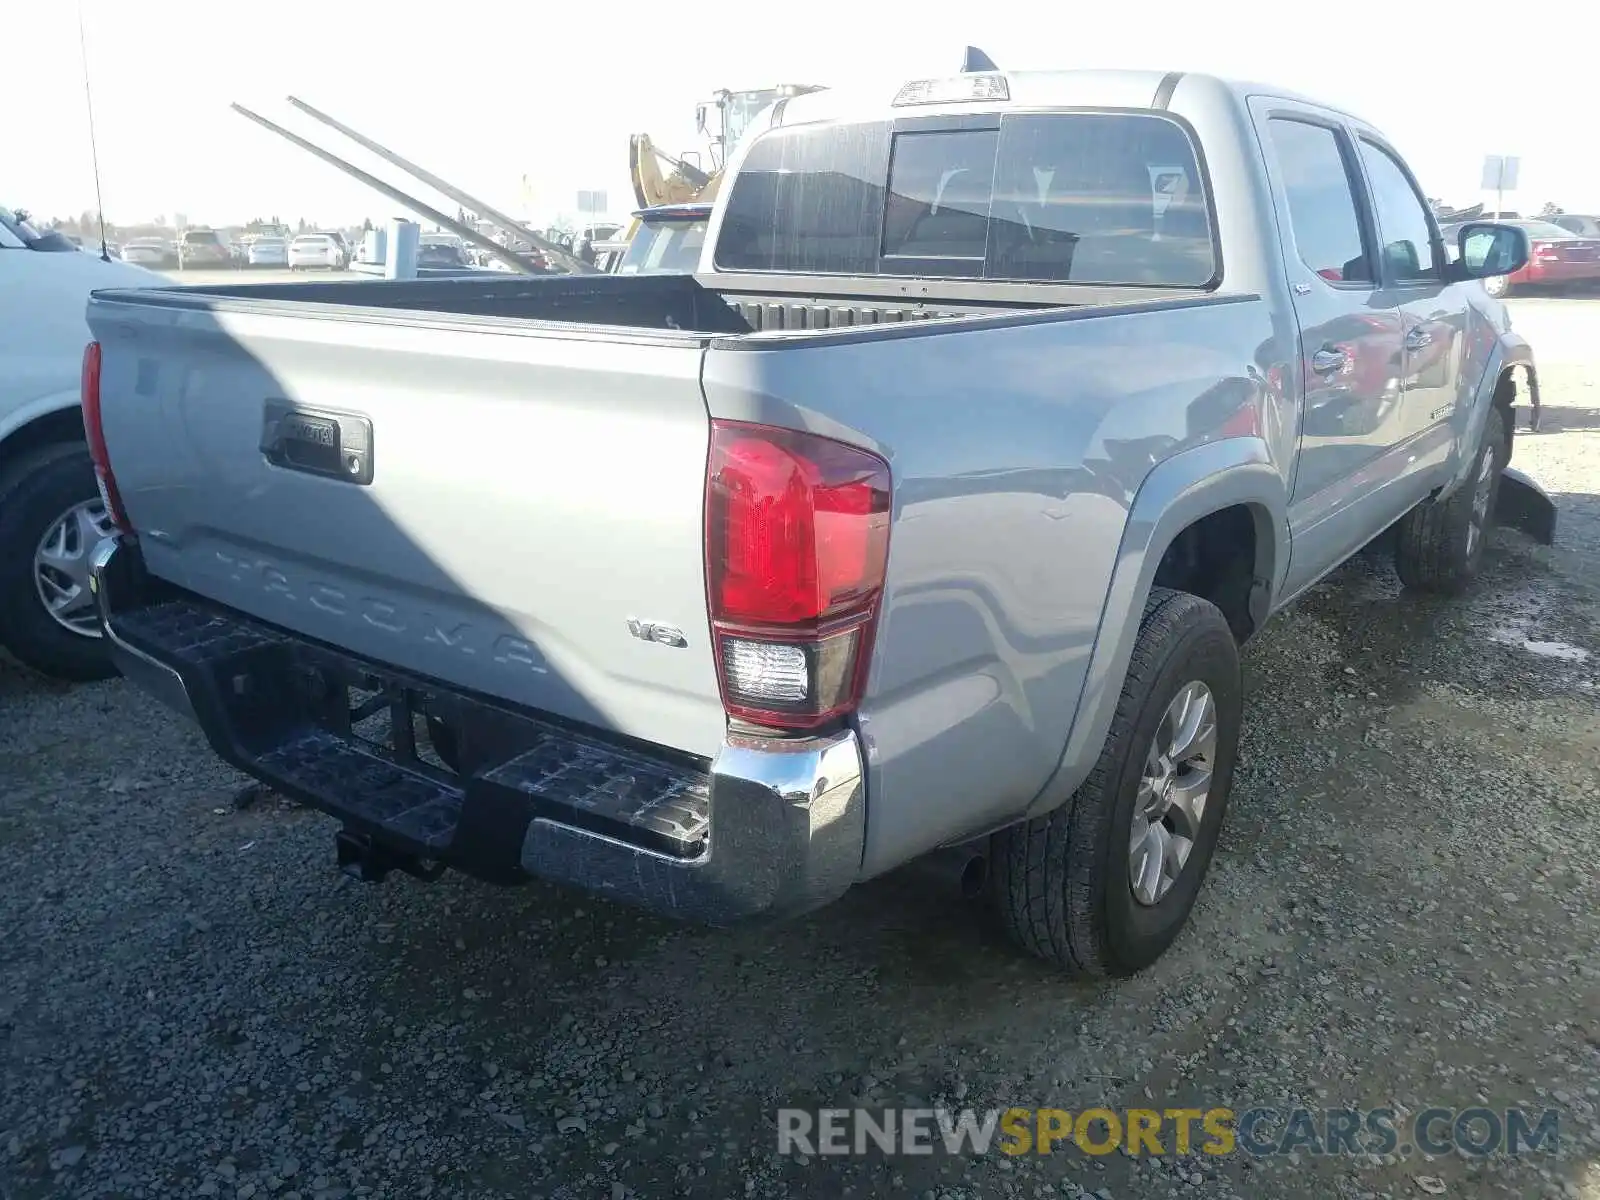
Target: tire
[(1063, 884), (1498, 286), (1440, 543), (41, 491)]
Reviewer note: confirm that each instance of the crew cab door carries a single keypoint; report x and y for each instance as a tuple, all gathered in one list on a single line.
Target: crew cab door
[(1351, 338), (1433, 313)]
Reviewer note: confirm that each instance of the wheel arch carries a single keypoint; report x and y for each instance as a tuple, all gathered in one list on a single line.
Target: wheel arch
[(36, 428), (1496, 392), (1231, 476)]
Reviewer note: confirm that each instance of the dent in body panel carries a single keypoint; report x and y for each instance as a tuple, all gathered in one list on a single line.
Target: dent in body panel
[(1016, 452)]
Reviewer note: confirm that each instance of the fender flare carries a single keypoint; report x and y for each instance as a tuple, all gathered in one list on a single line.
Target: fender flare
[(1178, 492), (1511, 350), (19, 419)]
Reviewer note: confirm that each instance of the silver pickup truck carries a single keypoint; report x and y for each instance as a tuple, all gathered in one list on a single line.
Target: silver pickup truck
[(923, 522)]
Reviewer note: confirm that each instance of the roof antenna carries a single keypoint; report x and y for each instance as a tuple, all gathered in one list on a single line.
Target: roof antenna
[(94, 153), (977, 60)]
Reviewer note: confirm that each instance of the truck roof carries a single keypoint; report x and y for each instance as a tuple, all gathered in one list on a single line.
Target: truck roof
[(1089, 87)]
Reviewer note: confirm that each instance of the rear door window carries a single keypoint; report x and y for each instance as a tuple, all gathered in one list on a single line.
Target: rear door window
[(1323, 218), (1105, 198)]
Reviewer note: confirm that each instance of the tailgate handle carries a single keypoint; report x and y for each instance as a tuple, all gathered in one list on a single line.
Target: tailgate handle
[(317, 441)]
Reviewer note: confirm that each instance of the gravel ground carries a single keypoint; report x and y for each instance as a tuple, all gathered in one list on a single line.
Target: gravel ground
[(1403, 912)]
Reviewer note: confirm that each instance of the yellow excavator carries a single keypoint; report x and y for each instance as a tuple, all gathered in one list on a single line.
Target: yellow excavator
[(660, 178)]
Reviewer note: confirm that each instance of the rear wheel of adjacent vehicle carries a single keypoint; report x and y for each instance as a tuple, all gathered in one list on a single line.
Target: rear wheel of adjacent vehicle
[(1103, 884), (1439, 544), (51, 520), (1498, 286)]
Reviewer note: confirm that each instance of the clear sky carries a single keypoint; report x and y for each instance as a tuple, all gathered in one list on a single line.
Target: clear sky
[(486, 94)]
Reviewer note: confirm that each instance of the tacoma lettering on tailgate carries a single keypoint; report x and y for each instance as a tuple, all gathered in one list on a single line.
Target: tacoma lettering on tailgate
[(433, 629)]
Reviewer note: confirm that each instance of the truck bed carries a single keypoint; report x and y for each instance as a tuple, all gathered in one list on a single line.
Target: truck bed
[(675, 302)]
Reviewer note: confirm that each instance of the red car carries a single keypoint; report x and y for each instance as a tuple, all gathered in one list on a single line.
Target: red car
[(1555, 256)]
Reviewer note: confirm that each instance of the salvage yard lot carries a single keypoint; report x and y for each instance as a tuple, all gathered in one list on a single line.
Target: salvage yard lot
[(1404, 912)]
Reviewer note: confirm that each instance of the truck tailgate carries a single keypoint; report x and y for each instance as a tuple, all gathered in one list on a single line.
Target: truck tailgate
[(521, 497)]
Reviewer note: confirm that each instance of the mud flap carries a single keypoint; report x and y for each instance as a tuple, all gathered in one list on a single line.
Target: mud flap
[(1524, 505)]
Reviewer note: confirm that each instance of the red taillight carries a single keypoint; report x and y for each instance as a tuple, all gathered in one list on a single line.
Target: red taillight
[(797, 541), (94, 432), (1546, 252)]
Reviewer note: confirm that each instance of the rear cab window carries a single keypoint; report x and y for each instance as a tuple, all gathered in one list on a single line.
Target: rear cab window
[(1115, 199)]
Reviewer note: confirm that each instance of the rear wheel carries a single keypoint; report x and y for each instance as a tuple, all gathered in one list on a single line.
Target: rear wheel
[(1498, 286), (51, 520), (1102, 885)]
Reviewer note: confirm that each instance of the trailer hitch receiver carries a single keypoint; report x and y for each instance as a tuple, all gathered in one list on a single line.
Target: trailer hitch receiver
[(362, 858)]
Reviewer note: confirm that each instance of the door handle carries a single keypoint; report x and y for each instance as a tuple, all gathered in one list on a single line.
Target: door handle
[(1417, 337), (1328, 359)]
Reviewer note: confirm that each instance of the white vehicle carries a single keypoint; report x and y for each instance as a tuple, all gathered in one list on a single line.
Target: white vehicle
[(150, 252), (316, 250), (268, 252), (51, 515)]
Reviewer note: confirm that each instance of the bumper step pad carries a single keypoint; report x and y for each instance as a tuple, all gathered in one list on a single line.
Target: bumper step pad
[(381, 794), (264, 698), (636, 801)]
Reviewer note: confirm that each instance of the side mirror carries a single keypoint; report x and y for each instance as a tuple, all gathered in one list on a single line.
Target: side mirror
[(1485, 249), (699, 118)]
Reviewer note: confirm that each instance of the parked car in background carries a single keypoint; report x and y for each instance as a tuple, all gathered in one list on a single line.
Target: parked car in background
[(440, 254), (317, 250), (150, 252), (269, 252), (607, 255), (538, 261), (203, 248), (1555, 256), (51, 512), (1578, 223)]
